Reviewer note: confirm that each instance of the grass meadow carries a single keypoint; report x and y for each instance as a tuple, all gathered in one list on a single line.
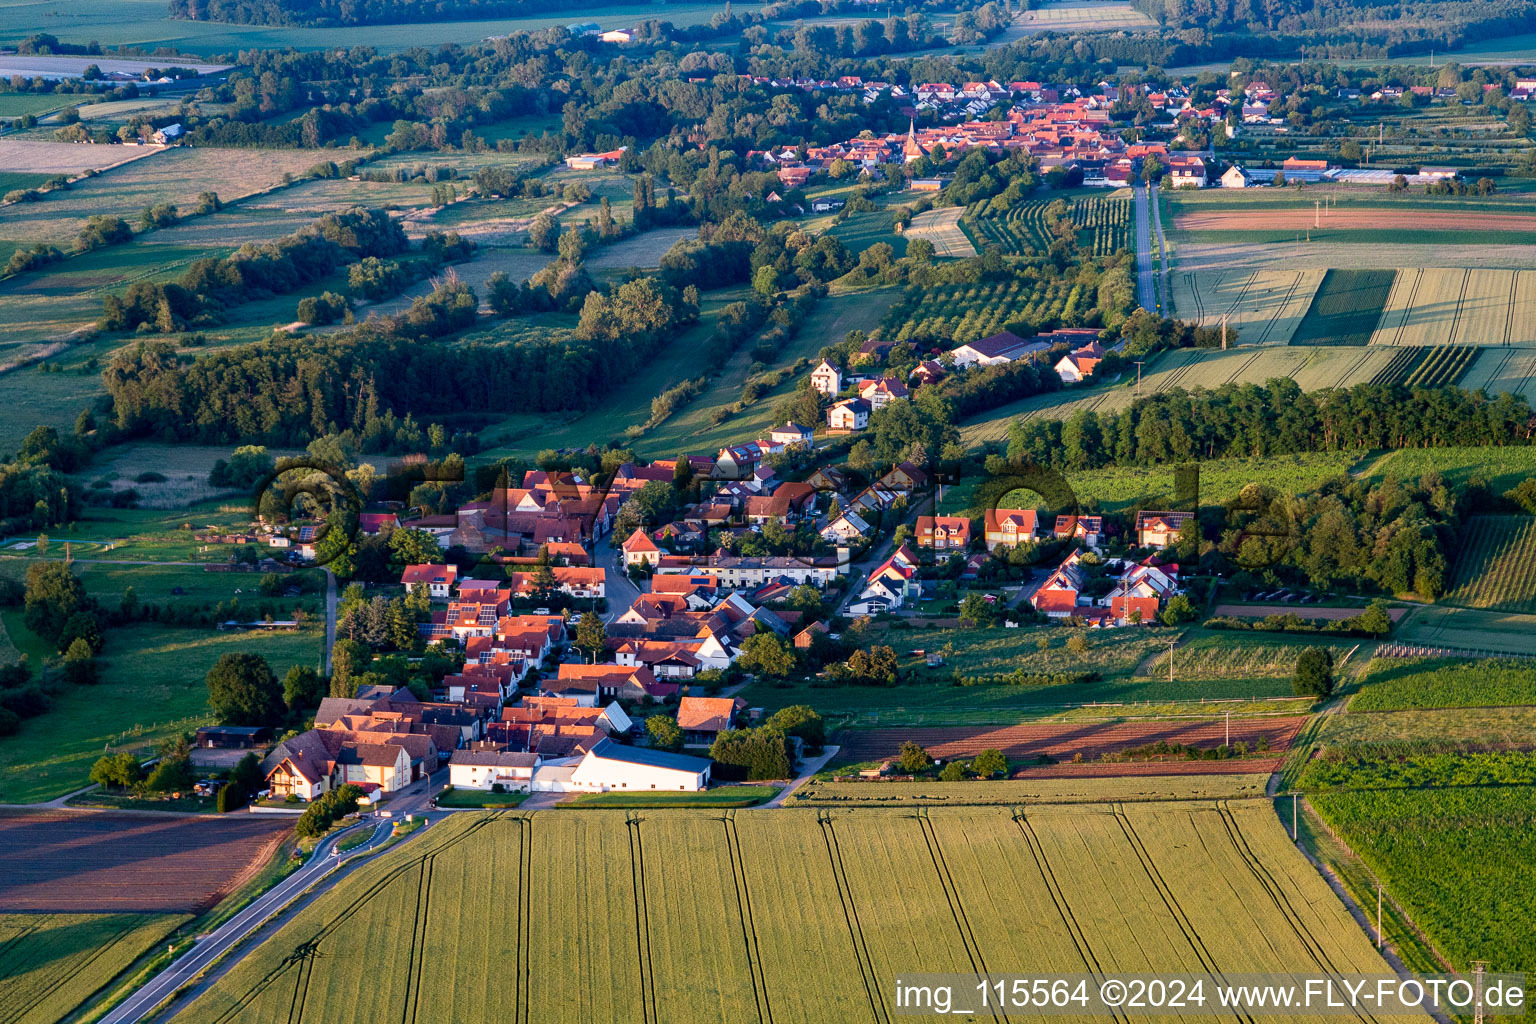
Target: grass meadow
[(151, 686), (55, 963), (1503, 468), (1469, 630), (814, 921)]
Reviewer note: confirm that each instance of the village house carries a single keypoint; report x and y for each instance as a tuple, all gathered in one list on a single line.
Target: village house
[(639, 549), (1141, 592), (848, 416), (929, 371), (596, 684), (574, 581), (1186, 172), (702, 719), (845, 528), (438, 579), (1087, 529), (827, 379), (1235, 177), (791, 435), (1078, 365), (1058, 596), (881, 391), (806, 638), (1008, 527), (1159, 529), (943, 533), (738, 571), (889, 586)]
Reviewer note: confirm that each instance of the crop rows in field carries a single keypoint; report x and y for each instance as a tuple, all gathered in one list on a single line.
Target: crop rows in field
[(1346, 308), (1427, 367), (1260, 307), (966, 312), (1103, 225), (1449, 857), (55, 962), (1400, 684), (1504, 370), (1497, 565), (782, 916), (1459, 306)]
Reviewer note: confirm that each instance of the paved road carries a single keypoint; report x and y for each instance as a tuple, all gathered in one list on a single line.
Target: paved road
[(230, 933), (1162, 244), (1146, 290), (620, 589), (860, 567)]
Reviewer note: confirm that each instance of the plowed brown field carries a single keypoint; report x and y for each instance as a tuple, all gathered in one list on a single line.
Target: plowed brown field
[(1300, 218), (1062, 741), (1120, 769), (66, 862)]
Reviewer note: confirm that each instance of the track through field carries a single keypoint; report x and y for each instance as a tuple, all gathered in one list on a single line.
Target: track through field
[(748, 922), (1461, 300), (1284, 305), (872, 986), (642, 920)]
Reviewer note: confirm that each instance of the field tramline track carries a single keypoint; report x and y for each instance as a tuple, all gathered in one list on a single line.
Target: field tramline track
[(952, 895), (1271, 887), (642, 920), (1063, 908), (1461, 299), (1284, 304), (522, 1014), (872, 986), (1413, 293), (748, 919), (1175, 911), (308, 949)]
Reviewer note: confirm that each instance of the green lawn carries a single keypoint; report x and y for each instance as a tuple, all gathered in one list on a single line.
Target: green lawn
[(1503, 468), (862, 230), (479, 798), (151, 687)]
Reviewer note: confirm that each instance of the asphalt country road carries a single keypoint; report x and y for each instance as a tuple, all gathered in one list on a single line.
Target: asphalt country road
[(222, 939)]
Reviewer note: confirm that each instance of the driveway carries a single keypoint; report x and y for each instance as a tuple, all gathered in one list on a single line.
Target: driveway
[(811, 768)]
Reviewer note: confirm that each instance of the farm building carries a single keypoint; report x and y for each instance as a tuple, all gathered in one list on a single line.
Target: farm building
[(704, 718), (484, 769), (608, 767), (1079, 364), (1002, 347)]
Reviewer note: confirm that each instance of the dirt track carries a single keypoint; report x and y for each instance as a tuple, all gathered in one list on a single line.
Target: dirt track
[(67, 862), (1062, 741), (1378, 219)]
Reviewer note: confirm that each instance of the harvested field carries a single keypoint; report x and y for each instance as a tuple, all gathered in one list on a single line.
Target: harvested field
[(1511, 370), (1346, 308), (805, 924), (1062, 742), (1352, 218), (52, 158), (1305, 611), (643, 250), (1432, 306), (942, 228), (1095, 16), (1261, 307), (517, 264), (65, 862)]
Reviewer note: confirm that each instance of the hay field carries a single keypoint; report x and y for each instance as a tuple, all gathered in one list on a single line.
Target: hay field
[(30, 157), (1243, 255), (1263, 307), (176, 176), (1312, 367), (324, 195), (1076, 17), (55, 963), (1436, 306), (1504, 369), (942, 228), (643, 250), (788, 915), (517, 264)]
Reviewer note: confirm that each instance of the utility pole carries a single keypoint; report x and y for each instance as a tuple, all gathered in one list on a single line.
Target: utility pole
[(1479, 968), (1378, 915), (1170, 659), (1317, 213), (1229, 718), (1138, 378), (1223, 332), (1293, 816)]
